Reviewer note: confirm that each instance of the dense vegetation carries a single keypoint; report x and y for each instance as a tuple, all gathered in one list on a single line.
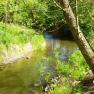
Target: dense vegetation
[(39, 14), (24, 21)]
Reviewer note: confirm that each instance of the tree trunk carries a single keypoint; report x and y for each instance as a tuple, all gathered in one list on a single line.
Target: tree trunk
[(78, 35)]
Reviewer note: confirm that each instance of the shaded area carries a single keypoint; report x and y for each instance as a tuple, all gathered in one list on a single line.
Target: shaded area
[(59, 30)]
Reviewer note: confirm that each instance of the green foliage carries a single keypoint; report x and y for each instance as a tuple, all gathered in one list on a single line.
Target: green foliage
[(11, 33), (80, 65), (91, 39), (40, 14), (21, 11), (15, 18), (65, 88), (71, 71), (77, 90), (40, 11), (85, 14), (76, 68), (38, 42), (31, 13)]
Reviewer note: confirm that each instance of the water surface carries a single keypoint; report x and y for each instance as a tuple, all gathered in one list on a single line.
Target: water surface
[(25, 75)]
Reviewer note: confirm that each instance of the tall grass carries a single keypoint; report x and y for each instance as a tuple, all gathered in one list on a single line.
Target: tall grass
[(15, 39), (16, 34), (72, 71)]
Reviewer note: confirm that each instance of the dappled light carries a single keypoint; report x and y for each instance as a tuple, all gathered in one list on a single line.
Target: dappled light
[(46, 49)]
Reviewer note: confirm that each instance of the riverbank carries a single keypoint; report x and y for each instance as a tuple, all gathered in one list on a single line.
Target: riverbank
[(18, 42), (35, 65)]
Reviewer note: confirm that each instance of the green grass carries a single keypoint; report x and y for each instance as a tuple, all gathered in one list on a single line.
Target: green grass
[(12, 33), (91, 39), (16, 34), (76, 68), (73, 70), (62, 88), (17, 37)]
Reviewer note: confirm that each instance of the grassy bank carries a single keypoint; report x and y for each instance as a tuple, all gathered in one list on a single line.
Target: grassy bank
[(16, 39), (71, 72)]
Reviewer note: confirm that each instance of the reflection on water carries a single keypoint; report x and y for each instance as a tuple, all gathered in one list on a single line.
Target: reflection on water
[(61, 49), (23, 76)]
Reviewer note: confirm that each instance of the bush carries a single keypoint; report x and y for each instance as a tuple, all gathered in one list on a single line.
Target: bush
[(15, 34), (76, 68)]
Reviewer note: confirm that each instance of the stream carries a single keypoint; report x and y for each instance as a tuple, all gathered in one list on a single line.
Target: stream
[(25, 75)]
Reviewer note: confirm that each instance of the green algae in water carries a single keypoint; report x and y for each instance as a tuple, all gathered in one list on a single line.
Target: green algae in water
[(24, 74)]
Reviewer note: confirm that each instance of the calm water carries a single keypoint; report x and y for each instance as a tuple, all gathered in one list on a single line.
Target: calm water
[(23, 76)]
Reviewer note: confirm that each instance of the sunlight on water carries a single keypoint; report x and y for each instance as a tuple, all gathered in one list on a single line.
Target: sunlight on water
[(24, 76)]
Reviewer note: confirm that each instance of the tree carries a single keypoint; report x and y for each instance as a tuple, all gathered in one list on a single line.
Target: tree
[(77, 33)]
